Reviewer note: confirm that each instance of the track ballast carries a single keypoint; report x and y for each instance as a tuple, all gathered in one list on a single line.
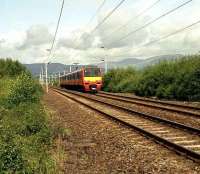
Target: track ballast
[(179, 137)]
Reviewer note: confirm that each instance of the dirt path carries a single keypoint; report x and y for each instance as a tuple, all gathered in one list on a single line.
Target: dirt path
[(88, 143)]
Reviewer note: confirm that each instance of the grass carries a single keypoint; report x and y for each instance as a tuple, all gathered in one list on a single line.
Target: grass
[(25, 134)]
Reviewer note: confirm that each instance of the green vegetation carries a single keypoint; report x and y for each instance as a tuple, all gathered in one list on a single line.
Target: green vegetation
[(11, 68), (178, 79), (25, 136)]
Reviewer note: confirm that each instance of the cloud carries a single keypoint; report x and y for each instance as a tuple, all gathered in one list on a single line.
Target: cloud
[(2, 41), (35, 36), (82, 40), (80, 45)]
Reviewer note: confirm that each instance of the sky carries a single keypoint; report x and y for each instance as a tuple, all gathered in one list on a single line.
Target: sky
[(27, 28)]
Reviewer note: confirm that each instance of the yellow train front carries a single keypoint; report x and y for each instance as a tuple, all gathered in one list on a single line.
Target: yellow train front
[(87, 79)]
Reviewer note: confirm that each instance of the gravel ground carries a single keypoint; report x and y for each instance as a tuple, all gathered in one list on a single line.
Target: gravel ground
[(159, 104), (178, 117), (89, 143), (195, 104)]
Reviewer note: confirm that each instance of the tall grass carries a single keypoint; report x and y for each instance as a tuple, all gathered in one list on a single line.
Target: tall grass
[(25, 135), (178, 79)]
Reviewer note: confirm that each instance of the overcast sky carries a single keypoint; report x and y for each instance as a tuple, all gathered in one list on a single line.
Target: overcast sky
[(27, 28)]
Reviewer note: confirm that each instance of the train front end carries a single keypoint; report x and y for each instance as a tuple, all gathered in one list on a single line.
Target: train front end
[(92, 79)]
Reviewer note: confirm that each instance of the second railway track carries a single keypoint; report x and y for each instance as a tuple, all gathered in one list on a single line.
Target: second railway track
[(183, 139), (172, 107)]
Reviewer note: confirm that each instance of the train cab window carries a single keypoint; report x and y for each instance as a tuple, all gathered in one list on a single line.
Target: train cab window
[(92, 72)]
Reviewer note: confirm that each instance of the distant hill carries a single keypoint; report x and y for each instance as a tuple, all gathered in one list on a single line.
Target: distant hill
[(154, 60), (35, 68), (123, 63), (140, 63), (134, 62)]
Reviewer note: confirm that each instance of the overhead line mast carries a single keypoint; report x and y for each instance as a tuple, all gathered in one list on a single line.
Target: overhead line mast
[(52, 45)]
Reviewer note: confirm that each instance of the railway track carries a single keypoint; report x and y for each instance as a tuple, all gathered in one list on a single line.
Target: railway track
[(181, 138), (172, 107)]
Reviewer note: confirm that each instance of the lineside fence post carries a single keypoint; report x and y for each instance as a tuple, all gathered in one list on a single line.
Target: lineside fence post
[(59, 78), (47, 89)]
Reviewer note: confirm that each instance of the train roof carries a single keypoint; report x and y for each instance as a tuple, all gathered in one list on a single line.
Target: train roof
[(82, 68)]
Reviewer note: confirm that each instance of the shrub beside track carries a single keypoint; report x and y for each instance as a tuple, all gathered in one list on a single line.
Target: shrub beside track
[(178, 79), (25, 136)]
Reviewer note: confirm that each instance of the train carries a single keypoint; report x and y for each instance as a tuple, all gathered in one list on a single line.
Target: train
[(86, 79)]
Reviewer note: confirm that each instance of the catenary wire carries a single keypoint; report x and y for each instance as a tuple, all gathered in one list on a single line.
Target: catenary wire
[(166, 36), (55, 34), (133, 18), (173, 33), (108, 15), (97, 11), (153, 21), (104, 19)]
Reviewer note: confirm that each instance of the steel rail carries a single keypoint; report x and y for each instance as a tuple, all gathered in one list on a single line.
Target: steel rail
[(164, 142), (144, 115), (153, 101), (140, 102)]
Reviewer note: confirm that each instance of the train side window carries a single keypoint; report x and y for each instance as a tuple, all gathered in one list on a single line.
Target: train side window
[(75, 75), (78, 75)]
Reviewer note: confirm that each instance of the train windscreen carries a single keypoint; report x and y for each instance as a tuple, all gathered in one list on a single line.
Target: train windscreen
[(92, 72)]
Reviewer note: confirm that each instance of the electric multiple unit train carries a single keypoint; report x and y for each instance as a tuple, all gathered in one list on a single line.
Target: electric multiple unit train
[(87, 79)]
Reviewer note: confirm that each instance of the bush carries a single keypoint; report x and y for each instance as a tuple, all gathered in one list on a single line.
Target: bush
[(25, 135), (24, 139), (24, 89), (11, 68), (10, 158), (178, 79), (119, 80)]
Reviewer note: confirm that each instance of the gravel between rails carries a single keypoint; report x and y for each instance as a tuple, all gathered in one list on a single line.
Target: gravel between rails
[(193, 104), (99, 145), (180, 118), (183, 109)]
